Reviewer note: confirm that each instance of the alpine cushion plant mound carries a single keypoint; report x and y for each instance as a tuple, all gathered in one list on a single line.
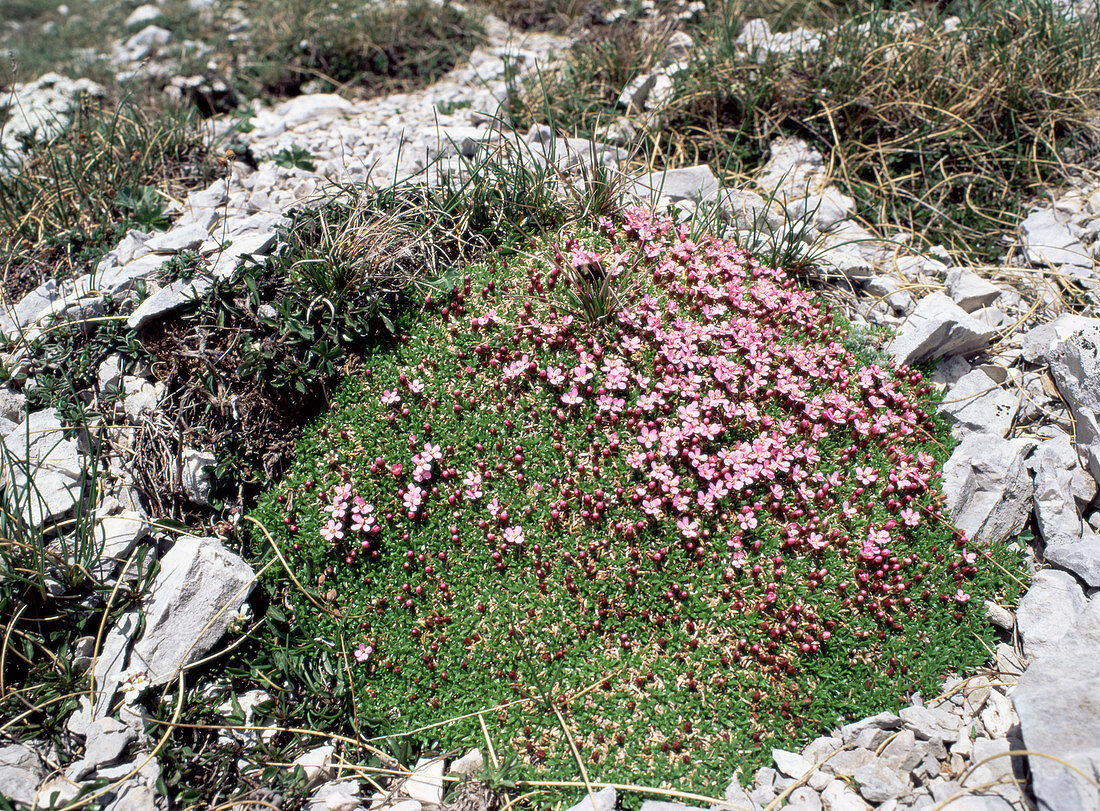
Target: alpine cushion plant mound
[(685, 531)]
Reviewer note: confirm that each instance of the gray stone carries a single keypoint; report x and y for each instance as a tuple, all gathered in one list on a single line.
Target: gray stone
[(13, 405), (30, 308), (1080, 555), (107, 740), (695, 183), (803, 798), (316, 763), (950, 371), (977, 403), (998, 767), (878, 783), (998, 615), (837, 796), (241, 246), (115, 537), (969, 290), (142, 14), (887, 289), (739, 799), (1075, 367), (793, 169), (978, 802), (794, 765), (1049, 241), (998, 716), (602, 800), (110, 664), (903, 753), (55, 793), (1053, 463), (189, 606), (987, 487), (43, 467), (469, 764), (820, 749), (21, 771), (186, 238), (305, 108), (745, 210), (140, 398), (1038, 344), (845, 762), (838, 257), (169, 298), (938, 327), (931, 724), (341, 795), (196, 478)]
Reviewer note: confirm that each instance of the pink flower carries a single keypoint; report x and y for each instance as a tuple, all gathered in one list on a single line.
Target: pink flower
[(363, 652), (572, 397), (514, 536), (332, 531), (961, 597), (390, 397), (910, 517)]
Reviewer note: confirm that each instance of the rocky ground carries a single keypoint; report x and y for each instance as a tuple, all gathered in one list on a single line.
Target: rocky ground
[(1020, 370)]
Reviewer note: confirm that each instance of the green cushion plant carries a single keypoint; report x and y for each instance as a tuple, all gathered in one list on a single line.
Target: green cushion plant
[(629, 502)]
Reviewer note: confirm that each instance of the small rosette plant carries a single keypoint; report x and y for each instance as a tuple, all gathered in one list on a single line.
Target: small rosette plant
[(683, 522)]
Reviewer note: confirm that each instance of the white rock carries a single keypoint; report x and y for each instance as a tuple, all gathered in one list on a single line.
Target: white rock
[(1038, 344), (189, 606), (1053, 463), (21, 771), (886, 288), (242, 246), (426, 781), (987, 487), (1075, 367), (604, 801), (13, 405), (1049, 241), (196, 479), (141, 398), (1060, 717), (142, 14), (693, 183), (969, 290), (30, 309), (977, 403), (55, 793), (305, 108), (938, 327), (793, 169), (110, 664), (167, 299), (186, 238), (1048, 611), (110, 372), (794, 765), (115, 537), (879, 783), (336, 796), (43, 466), (838, 797), (469, 764), (317, 762)]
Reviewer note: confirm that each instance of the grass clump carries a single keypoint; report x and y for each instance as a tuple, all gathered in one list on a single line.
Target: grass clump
[(667, 520), (69, 197), (946, 129), (346, 45)]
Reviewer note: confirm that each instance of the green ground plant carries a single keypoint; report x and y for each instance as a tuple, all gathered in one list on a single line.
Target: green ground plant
[(643, 537), (363, 49)]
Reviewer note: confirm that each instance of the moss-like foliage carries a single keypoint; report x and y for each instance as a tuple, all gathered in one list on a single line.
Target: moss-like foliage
[(633, 493)]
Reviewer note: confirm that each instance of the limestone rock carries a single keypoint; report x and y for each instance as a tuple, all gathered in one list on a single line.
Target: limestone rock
[(190, 604), (938, 327), (21, 771), (1060, 716), (1075, 367), (604, 800), (1049, 241), (969, 290), (43, 467), (977, 403), (693, 183), (987, 487)]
